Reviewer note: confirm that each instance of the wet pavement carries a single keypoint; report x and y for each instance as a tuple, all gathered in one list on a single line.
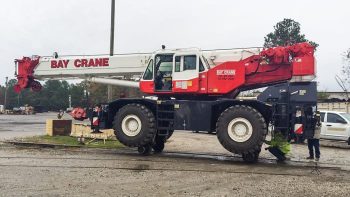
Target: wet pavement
[(12, 126), (193, 164), (95, 172), (332, 152)]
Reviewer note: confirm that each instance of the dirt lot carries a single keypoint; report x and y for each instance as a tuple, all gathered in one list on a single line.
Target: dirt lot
[(192, 165)]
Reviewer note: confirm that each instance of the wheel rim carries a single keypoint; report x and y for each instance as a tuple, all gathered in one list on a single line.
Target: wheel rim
[(131, 125), (240, 129)]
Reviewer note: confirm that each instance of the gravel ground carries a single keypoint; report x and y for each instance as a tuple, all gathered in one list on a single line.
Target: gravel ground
[(76, 172), (193, 164), (208, 144)]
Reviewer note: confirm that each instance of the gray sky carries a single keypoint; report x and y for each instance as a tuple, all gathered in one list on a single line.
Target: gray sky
[(40, 27)]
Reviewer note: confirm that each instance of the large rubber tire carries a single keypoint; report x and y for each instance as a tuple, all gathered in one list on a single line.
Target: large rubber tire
[(251, 157), (241, 129), (127, 117), (144, 150)]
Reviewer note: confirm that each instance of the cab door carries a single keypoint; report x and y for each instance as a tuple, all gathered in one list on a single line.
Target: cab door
[(335, 127), (185, 73), (147, 81)]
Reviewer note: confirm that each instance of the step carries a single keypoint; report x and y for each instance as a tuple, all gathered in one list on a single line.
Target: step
[(166, 119), (165, 128)]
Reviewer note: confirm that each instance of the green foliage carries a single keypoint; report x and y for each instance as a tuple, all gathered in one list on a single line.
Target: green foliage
[(98, 93), (322, 95), (55, 95), (77, 95), (2, 95), (286, 32)]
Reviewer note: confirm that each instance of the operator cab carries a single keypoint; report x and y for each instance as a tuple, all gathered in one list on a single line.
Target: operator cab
[(173, 72)]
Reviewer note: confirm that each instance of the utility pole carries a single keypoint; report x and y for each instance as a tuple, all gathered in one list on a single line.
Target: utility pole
[(70, 101), (6, 84), (111, 49)]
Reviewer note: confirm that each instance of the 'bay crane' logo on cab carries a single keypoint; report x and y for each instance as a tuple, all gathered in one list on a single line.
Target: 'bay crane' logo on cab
[(225, 72), (78, 63)]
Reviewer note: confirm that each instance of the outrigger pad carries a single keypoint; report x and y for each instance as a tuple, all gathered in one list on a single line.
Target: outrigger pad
[(277, 153)]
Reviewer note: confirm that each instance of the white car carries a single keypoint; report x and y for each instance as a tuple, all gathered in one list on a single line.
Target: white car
[(335, 125)]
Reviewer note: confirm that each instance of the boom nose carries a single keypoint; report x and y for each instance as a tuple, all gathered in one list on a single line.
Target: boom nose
[(24, 73)]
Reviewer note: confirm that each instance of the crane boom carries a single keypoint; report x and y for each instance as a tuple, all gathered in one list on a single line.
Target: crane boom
[(83, 66), (96, 68)]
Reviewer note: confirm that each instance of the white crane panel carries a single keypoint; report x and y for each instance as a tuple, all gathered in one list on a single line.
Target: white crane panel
[(219, 56), (123, 64), (90, 66)]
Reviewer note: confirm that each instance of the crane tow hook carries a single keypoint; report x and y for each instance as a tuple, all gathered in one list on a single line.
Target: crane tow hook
[(24, 73)]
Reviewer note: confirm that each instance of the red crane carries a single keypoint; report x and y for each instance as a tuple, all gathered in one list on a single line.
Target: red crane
[(194, 89)]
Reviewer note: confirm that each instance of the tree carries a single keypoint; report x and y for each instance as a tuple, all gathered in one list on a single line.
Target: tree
[(12, 97), (286, 32), (2, 95), (55, 94), (77, 94), (98, 93), (343, 79)]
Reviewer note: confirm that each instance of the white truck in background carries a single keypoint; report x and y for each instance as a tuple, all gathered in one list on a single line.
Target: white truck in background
[(335, 126), (2, 109)]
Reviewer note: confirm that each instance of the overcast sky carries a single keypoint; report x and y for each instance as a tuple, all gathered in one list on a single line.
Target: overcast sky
[(40, 27)]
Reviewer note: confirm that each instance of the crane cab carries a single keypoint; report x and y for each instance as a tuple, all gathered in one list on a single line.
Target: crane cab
[(172, 72)]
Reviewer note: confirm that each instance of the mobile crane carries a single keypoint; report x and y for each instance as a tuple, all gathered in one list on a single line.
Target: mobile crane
[(194, 89)]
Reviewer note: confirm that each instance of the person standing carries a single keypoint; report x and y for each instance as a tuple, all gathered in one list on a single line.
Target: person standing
[(314, 142), (96, 118)]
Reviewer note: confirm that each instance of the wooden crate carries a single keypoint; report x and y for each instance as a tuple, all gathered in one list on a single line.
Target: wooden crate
[(58, 127)]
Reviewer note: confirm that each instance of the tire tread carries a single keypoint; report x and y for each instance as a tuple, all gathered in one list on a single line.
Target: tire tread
[(257, 115), (149, 137)]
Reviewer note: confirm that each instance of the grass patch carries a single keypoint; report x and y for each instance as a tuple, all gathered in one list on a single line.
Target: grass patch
[(73, 141)]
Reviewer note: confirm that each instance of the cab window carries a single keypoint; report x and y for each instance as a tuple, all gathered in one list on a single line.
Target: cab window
[(201, 67), (149, 71), (334, 118), (190, 62), (164, 65), (177, 63)]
